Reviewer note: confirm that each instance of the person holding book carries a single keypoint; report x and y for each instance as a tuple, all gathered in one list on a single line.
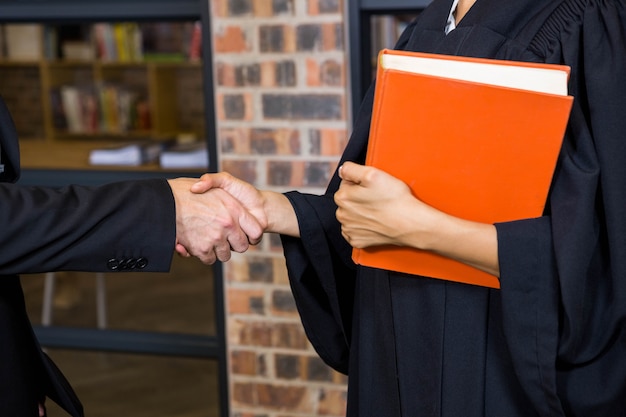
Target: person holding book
[(123, 226), (552, 340)]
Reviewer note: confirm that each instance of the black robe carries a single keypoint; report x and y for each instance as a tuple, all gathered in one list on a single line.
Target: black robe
[(552, 341)]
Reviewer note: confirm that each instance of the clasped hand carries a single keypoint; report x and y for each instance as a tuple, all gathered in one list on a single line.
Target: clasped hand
[(223, 214), (216, 215), (375, 208)]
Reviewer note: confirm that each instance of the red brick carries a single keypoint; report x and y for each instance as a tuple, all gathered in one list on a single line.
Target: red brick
[(242, 301), (285, 173), (295, 398), (244, 394), (329, 37), (316, 7), (268, 71), (245, 170), (234, 141), (313, 78), (332, 141), (225, 75), (243, 362), (332, 403), (256, 334), (262, 8), (288, 366), (231, 39), (332, 73), (289, 335), (280, 270), (275, 141), (219, 8), (283, 304)]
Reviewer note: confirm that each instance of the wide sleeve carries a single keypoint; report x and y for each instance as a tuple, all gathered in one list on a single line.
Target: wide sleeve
[(563, 276), (86, 228)]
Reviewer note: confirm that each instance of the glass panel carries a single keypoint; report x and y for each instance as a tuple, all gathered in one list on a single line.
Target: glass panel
[(180, 301), (114, 384)]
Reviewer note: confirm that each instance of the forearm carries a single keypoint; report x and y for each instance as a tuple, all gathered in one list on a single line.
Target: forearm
[(375, 209), (281, 217), (472, 243), (82, 228)]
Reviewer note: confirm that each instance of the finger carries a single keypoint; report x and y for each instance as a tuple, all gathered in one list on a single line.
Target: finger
[(204, 184), (208, 258), (208, 181), (351, 172), (251, 227), (182, 251), (223, 251)]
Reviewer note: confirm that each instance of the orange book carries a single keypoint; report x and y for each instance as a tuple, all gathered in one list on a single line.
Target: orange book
[(475, 138)]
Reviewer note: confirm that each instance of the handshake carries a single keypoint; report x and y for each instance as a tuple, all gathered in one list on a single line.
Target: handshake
[(217, 214)]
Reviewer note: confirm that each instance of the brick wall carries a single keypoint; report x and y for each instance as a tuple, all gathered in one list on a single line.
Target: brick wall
[(280, 84)]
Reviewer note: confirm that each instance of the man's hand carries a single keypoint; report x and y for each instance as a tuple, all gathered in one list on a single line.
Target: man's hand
[(211, 224), (249, 197), (272, 209)]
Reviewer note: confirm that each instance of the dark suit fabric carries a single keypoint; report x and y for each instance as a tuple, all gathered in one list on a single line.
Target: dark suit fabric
[(121, 226), (552, 341)]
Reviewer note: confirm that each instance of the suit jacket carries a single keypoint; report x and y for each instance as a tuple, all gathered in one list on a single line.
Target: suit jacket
[(121, 226)]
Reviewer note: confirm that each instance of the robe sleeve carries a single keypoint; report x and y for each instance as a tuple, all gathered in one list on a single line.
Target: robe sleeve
[(563, 276)]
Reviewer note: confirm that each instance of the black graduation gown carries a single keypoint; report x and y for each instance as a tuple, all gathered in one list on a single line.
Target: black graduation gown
[(552, 341)]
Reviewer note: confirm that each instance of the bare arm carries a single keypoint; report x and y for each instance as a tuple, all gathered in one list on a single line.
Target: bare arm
[(272, 210), (376, 208)]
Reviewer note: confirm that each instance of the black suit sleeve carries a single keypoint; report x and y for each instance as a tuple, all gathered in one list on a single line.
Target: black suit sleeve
[(120, 226)]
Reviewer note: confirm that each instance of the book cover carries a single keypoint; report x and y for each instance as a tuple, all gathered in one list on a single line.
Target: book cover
[(475, 150)]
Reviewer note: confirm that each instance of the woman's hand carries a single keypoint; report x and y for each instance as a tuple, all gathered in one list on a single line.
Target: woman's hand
[(376, 208)]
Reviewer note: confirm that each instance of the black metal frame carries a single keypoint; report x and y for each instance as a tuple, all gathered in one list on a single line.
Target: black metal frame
[(359, 14), (158, 343)]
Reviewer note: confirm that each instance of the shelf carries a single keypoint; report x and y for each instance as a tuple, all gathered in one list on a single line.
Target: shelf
[(98, 10), (391, 5), (105, 87), (74, 155)]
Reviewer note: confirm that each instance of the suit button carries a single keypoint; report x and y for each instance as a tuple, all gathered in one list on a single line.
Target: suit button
[(142, 263), (113, 264), (131, 263)]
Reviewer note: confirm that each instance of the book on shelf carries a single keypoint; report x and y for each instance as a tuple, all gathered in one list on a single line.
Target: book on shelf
[(118, 41), (104, 108), (195, 42), (23, 41), (193, 155), (475, 138)]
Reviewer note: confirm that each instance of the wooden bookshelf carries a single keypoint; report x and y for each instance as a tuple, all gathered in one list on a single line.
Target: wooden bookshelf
[(65, 106)]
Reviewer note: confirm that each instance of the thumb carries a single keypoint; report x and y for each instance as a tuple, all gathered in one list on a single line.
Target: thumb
[(251, 227), (351, 172), (208, 181)]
